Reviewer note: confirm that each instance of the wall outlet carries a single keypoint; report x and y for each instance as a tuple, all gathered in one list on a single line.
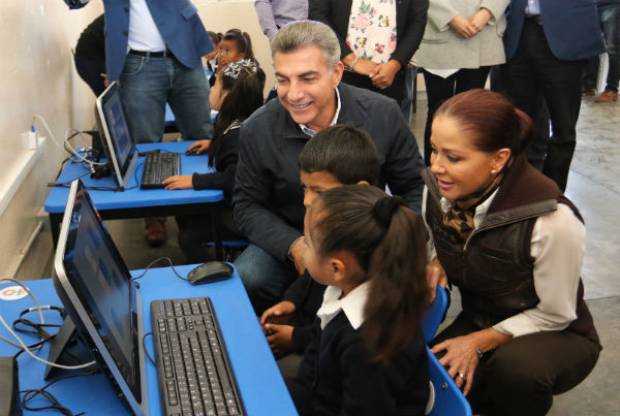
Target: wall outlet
[(29, 140)]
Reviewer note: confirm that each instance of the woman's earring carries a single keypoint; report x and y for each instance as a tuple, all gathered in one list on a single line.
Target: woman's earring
[(493, 171)]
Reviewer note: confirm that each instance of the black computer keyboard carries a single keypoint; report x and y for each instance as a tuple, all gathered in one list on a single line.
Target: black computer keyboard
[(157, 167), (194, 374)]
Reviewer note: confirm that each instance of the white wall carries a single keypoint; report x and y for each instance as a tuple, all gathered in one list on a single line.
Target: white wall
[(36, 37)]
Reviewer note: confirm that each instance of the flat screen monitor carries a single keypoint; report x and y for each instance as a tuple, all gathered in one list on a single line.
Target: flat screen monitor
[(94, 284), (118, 143)]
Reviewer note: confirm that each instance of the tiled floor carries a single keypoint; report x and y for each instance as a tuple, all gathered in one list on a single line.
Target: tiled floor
[(594, 185)]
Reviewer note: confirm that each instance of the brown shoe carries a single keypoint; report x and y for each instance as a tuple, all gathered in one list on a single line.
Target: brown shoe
[(155, 232), (589, 92), (607, 96)]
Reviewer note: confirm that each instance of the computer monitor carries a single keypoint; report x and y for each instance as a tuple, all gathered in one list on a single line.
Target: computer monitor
[(118, 143), (94, 284)]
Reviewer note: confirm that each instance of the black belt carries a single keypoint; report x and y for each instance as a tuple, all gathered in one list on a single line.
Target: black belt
[(161, 54)]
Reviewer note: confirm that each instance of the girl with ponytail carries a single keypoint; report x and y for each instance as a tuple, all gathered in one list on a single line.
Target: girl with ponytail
[(513, 245), (367, 354)]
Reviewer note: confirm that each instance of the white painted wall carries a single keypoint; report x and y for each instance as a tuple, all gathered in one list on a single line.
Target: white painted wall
[(36, 37)]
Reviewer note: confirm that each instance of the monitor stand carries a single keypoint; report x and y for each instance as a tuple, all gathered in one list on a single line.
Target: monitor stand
[(66, 348)]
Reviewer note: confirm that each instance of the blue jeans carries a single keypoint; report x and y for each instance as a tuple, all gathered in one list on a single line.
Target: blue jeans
[(265, 278), (147, 83), (609, 15)]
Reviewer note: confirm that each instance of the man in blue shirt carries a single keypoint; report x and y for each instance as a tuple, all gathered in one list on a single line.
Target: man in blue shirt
[(154, 49)]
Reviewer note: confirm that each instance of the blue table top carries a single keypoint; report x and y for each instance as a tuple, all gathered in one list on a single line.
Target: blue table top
[(135, 197), (261, 387)]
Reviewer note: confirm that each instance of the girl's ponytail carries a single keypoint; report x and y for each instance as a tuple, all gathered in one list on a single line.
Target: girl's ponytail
[(399, 293)]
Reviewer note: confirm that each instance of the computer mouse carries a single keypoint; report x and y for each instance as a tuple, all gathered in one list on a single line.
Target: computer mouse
[(211, 271), (192, 152)]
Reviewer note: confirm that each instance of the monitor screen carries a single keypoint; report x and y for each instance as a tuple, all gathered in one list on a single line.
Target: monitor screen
[(102, 284), (117, 125)]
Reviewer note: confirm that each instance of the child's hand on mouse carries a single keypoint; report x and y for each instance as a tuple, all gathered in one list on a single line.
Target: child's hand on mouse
[(279, 309), (178, 182), (280, 338), (199, 146)]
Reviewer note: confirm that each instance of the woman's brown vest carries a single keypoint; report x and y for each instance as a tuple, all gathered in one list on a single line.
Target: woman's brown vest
[(493, 269)]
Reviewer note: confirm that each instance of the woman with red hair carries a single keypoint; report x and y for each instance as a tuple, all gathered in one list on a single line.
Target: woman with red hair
[(513, 244)]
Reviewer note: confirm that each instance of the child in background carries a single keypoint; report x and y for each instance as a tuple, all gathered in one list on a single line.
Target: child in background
[(211, 57), (234, 46), (336, 156), (242, 93), (367, 354)]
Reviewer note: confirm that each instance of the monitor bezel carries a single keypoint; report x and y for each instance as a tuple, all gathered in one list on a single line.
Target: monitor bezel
[(122, 173), (86, 327)]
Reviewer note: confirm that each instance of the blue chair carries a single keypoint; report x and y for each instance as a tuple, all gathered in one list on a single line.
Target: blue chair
[(435, 314), (445, 398)]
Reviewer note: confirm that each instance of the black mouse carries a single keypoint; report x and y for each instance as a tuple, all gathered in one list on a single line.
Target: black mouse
[(209, 272), (192, 152)]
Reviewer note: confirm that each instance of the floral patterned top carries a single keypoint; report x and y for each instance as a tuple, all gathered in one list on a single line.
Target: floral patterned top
[(372, 29)]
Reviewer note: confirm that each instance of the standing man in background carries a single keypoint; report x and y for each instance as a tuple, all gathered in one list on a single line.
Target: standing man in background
[(273, 14), (547, 43), (154, 49)]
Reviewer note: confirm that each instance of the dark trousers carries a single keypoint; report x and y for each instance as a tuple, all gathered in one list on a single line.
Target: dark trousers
[(439, 89), (521, 377), (90, 70), (535, 70), (542, 130), (196, 232)]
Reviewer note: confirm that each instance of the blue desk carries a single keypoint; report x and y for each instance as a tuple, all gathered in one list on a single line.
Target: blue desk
[(261, 387), (135, 202)]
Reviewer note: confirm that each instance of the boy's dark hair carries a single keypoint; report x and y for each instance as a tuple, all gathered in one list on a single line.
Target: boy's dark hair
[(388, 241), (346, 152)]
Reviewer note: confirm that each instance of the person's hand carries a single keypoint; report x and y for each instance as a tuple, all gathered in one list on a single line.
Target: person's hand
[(199, 146), (435, 275), (106, 81), (461, 359), (463, 354), (365, 67), (463, 27), (296, 251), (279, 309), (280, 338), (480, 19), (383, 75), (178, 182)]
